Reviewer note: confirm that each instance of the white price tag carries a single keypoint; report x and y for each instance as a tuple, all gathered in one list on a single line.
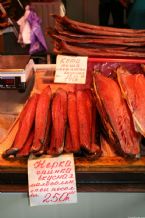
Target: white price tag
[(71, 69), (52, 180)]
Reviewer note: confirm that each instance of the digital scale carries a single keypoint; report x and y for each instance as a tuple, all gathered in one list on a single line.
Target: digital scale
[(15, 71)]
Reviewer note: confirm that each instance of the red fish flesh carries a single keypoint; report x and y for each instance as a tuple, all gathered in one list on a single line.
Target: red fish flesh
[(26, 123), (116, 117), (42, 121), (133, 89), (59, 119)]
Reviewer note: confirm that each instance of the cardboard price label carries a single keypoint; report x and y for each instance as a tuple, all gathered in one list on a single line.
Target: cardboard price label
[(52, 180), (71, 69)]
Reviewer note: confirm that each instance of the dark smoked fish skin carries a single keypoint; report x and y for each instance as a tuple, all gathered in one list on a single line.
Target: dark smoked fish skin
[(97, 30), (42, 120), (119, 116), (67, 48), (25, 125), (59, 118), (77, 38), (102, 40)]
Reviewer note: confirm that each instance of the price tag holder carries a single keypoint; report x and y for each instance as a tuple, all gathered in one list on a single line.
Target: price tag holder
[(71, 69), (52, 180)]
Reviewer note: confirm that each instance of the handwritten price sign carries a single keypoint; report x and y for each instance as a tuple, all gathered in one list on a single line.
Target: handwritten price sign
[(52, 180), (71, 69)]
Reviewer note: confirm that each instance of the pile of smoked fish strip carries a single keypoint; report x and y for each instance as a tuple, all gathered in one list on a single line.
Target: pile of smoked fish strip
[(105, 120), (78, 38), (57, 123)]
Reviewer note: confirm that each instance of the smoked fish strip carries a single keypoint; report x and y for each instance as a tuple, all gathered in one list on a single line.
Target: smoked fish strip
[(25, 125), (66, 48), (68, 146), (95, 148), (84, 110), (42, 120), (59, 119), (92, 151), (94, 29), (26, 149), (98, 41), (73, 122)]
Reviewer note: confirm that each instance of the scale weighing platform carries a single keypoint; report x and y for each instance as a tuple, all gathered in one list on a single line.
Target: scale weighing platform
[(15, 71)]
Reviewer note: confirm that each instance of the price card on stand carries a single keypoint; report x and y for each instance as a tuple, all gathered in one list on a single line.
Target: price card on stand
[(71, 69), (52, 180)]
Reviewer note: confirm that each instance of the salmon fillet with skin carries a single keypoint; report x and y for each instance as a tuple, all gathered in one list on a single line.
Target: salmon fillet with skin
[(119, 116), (133, 89)]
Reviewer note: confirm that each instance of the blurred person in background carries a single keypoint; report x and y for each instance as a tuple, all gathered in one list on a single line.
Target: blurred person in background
[(116, 8), (17, 8)]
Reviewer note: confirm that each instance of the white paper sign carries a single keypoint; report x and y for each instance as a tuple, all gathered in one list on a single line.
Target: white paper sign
[(52, 180), (71, 69)]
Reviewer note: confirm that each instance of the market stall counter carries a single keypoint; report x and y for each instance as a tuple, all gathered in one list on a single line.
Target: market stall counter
[(105, 171)]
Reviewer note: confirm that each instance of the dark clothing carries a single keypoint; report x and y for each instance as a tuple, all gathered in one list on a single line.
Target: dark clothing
[(15, 10), (113, 7)]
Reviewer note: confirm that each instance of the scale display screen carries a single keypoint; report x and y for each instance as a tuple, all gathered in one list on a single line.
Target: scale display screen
[(12, 83), (7, 82), (15, 72)]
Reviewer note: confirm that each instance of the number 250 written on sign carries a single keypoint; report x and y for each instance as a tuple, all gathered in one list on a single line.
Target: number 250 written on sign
[(57, 197)]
